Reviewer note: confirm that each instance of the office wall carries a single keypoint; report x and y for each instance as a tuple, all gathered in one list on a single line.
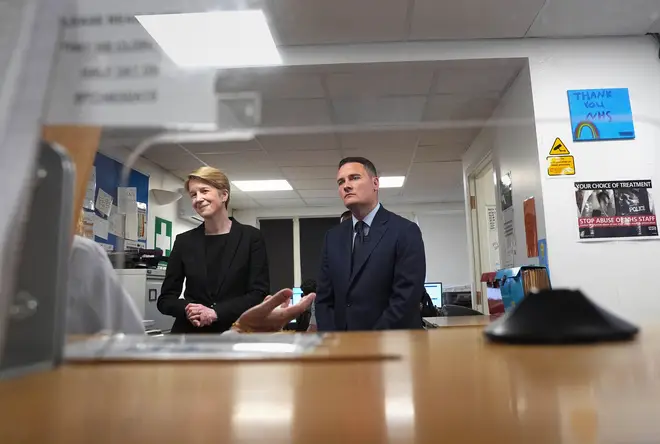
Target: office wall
[(511, 138), (445, 244), (620, 275), (158, 178)]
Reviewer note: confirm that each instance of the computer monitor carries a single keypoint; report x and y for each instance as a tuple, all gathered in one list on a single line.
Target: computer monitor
[(434, 289), (297, 295)]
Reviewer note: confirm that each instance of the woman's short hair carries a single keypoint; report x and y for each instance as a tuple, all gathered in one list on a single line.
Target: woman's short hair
[(211, 176)]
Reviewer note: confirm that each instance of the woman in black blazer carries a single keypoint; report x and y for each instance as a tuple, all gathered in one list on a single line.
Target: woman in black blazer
[(223, 262)]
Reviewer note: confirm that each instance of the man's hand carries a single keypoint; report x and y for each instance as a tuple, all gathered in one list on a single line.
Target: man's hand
[(200, 315), (274, 312)]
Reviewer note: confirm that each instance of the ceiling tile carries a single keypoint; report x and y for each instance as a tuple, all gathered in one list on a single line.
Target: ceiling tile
[(305, 22), (272, 83), (330, 194), (265, 195), (127, 136), (379, 139), (385, 110), (570, 18), (493, 77), (174, 161), (315, 184), (380, 81), (295, 173), (399, 159), (222, 147), (472, 19), (448, 136), (442, 153), (298, 142), (245, 159), (252, 173), (282, 203), (308, 158), (161, 151), (295, 113), (323, 202), (462, 108)]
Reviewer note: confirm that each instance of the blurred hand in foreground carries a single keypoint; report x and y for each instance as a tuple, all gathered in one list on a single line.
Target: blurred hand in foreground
[(273, 313)]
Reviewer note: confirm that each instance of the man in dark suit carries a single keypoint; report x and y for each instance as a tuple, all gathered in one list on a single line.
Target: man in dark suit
[(373, 265)]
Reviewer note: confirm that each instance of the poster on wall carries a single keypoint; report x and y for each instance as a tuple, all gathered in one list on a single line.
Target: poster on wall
[(615, 210), (601, 114), (531, 232), (506, 201), (506, 193)]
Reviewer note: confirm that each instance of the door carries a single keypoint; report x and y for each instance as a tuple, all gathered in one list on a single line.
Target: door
[(485, 234)]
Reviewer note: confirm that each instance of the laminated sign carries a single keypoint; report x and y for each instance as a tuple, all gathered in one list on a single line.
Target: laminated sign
[(615, 209), (560, 161)]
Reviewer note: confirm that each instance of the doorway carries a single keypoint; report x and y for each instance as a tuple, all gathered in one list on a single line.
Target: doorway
[(485, 241)]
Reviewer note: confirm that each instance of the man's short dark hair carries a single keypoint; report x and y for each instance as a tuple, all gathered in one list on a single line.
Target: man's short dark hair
[(346, 215), (308, 286), (366, 163)]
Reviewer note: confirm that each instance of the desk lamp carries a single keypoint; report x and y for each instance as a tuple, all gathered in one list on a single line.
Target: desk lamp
[(559, 317)]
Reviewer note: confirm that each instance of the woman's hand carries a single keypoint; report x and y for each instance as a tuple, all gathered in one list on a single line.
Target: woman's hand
[(200, 315), (273, 313)]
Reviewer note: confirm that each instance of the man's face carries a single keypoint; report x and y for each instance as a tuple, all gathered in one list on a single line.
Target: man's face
[(356, 187)]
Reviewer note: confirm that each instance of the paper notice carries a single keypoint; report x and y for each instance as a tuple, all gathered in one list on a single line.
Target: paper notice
[(131, 227), (103, 202), (88, 203), (101, 228), (116, 223), (132, 244), (127, 200), (107, 247), (88, 225)]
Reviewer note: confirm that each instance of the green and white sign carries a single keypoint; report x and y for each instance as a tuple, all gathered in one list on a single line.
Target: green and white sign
[(163, 233)]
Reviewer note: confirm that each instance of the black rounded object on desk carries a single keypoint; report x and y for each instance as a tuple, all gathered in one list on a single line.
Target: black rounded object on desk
[(559, 317)]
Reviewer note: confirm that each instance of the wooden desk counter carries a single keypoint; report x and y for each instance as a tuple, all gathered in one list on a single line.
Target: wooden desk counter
[(449, 385)]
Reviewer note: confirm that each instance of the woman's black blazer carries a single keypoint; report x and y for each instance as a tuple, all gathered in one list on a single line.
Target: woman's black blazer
[(244, 280)]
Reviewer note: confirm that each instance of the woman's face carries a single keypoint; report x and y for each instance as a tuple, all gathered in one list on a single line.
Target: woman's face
[(206, 199)]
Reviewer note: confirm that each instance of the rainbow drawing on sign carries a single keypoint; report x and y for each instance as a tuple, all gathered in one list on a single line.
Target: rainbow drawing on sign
[(600, 114), (577, 135)]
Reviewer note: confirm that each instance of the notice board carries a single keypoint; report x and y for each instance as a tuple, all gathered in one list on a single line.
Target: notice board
[(104, 186)]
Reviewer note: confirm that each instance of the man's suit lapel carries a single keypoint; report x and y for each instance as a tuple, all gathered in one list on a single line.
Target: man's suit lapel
[(229, 253), (376, 232)]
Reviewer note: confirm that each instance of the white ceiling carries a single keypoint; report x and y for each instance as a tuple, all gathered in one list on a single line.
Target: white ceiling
[(309, 22), (384, 112)]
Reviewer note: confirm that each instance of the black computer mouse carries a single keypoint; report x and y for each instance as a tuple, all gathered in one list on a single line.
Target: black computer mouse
[(559, 317)]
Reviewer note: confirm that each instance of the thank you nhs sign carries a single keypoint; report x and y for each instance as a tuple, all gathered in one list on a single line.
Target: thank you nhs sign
[(601, 114)]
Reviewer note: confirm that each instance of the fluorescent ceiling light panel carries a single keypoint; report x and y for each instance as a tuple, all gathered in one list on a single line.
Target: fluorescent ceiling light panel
[(219, 39), (392, 181), (262, 185)]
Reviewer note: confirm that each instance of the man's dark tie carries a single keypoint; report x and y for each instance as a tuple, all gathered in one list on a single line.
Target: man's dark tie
[(358, 243)]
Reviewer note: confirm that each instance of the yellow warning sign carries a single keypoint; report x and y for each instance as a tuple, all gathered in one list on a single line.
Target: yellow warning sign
[(559, 149), (561, 166)]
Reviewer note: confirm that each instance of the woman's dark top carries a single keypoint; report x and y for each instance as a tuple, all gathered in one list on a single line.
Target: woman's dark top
[(228, 273)]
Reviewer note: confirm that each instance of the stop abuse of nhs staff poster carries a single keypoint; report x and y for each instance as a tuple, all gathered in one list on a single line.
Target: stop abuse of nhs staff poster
[(615, 210)]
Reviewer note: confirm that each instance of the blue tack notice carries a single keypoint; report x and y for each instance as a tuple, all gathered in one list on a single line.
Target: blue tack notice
[(601, 114)]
